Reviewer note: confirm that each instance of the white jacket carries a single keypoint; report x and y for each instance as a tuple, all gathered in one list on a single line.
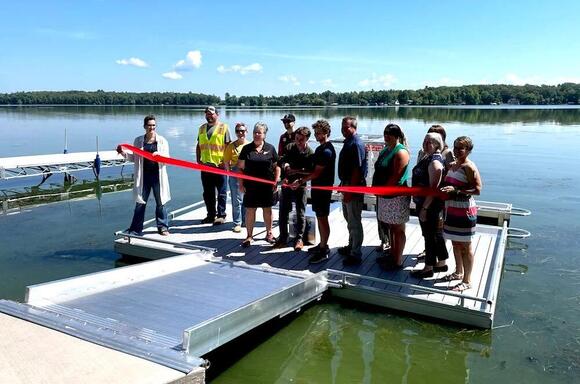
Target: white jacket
[(163, 150)]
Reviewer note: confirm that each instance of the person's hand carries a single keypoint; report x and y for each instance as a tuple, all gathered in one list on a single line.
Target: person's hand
[(120, 150), (295, 184), (155, 153), (242, 188), (448, 189)]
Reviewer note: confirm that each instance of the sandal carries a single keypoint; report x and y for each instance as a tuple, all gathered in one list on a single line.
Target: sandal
[(453, 276), (270, 238), (461, 287), (246, 243)]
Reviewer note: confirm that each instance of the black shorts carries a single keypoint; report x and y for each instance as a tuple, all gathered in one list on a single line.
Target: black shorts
[(258, 195), (320, 202)]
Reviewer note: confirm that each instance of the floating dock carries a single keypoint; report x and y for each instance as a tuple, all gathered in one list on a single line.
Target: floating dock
[(203, 289), (367, 282)]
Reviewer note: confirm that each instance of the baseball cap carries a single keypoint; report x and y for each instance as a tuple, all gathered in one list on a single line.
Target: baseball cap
[(288, 117), (211, 108)]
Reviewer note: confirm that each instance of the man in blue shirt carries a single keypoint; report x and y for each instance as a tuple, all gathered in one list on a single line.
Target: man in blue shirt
[(352, 171)]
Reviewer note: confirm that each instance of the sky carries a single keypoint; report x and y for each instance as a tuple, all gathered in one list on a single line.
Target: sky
[(285, 47)]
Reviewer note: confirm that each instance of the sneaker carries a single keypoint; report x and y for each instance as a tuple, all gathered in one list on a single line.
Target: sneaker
[(237, 229), (344, 251), (351, 260), (314, 249), (280, 243), (219, 220), (208, 220), (298, 245), (163, 231), (320, 256)]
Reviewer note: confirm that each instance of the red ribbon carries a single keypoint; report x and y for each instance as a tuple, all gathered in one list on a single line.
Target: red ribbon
[(379, 191)]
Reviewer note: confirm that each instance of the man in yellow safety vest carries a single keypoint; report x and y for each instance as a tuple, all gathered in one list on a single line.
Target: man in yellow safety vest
[(212, 139)]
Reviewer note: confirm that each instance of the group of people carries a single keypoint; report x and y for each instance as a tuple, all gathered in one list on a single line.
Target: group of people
[(449, 212)]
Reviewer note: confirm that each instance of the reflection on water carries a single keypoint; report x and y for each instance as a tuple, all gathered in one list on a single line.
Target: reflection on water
[(525, 155), (337, 343)]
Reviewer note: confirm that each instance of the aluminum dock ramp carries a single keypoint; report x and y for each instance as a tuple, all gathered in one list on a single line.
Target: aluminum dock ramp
[(170, 311), (366, 283)]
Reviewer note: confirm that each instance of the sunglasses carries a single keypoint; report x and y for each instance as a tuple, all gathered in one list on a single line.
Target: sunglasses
[(240, 130)]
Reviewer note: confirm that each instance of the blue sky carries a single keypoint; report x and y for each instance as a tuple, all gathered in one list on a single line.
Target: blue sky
[(285, 47)]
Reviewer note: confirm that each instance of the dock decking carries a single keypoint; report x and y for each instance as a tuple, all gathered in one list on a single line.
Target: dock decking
[(365, 283)]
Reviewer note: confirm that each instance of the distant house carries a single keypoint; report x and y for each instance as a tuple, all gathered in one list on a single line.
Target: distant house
[(513, 101)]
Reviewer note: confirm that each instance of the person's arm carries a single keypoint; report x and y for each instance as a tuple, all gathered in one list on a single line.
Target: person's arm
[(435, 173), (241, 167), (400, 161), (198, 153), (473, 179), (228, 156)]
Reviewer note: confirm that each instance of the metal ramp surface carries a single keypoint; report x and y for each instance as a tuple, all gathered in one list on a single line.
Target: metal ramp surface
[(170, 311)]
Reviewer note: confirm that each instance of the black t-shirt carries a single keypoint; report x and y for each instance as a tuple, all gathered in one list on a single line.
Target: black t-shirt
[(148, 165), (259, 164), (325, 155), (296, 160)]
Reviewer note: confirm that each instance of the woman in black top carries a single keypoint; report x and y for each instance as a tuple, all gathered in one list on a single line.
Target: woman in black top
[(258, 159), (429, 173)]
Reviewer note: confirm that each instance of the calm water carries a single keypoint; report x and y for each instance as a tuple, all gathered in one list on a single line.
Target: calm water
[(526, 156)]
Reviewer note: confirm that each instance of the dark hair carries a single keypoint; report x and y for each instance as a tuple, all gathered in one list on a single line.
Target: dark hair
[(396, 131), (350, 120), (438, 129), (147, 118), (322, 125), (304, 131), (466, 141)]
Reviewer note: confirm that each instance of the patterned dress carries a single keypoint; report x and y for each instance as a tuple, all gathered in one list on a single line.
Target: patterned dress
[(460, 212)]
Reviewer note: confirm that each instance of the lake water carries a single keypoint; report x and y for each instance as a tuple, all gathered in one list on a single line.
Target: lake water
[(527, 156)]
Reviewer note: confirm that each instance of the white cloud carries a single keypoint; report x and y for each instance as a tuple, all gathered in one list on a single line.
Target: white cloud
[(327, 83), (134, 61), (514, 79), (289, 79), (172, 75), (252, 68), (192, 60), (378, 80)]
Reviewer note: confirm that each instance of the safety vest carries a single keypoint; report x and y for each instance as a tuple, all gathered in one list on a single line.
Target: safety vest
[(212, 150)]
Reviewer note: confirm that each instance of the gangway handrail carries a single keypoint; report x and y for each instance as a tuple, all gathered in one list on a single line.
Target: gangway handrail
[(520, 211), (175, 244), (518, 233), (172, 214), (407, 285)]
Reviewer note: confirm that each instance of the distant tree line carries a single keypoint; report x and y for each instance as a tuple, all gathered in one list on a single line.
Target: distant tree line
[(567, 93), (101, 97)]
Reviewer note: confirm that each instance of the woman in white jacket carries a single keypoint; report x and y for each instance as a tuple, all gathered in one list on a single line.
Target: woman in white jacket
[(149, 176)]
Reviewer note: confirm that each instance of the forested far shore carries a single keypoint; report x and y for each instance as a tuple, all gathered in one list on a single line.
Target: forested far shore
[(566, 93)]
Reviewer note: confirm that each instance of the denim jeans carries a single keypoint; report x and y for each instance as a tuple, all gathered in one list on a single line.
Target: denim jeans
[(212, 182), (150, 183), (352, 212), (238, 209), (297, 196)]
